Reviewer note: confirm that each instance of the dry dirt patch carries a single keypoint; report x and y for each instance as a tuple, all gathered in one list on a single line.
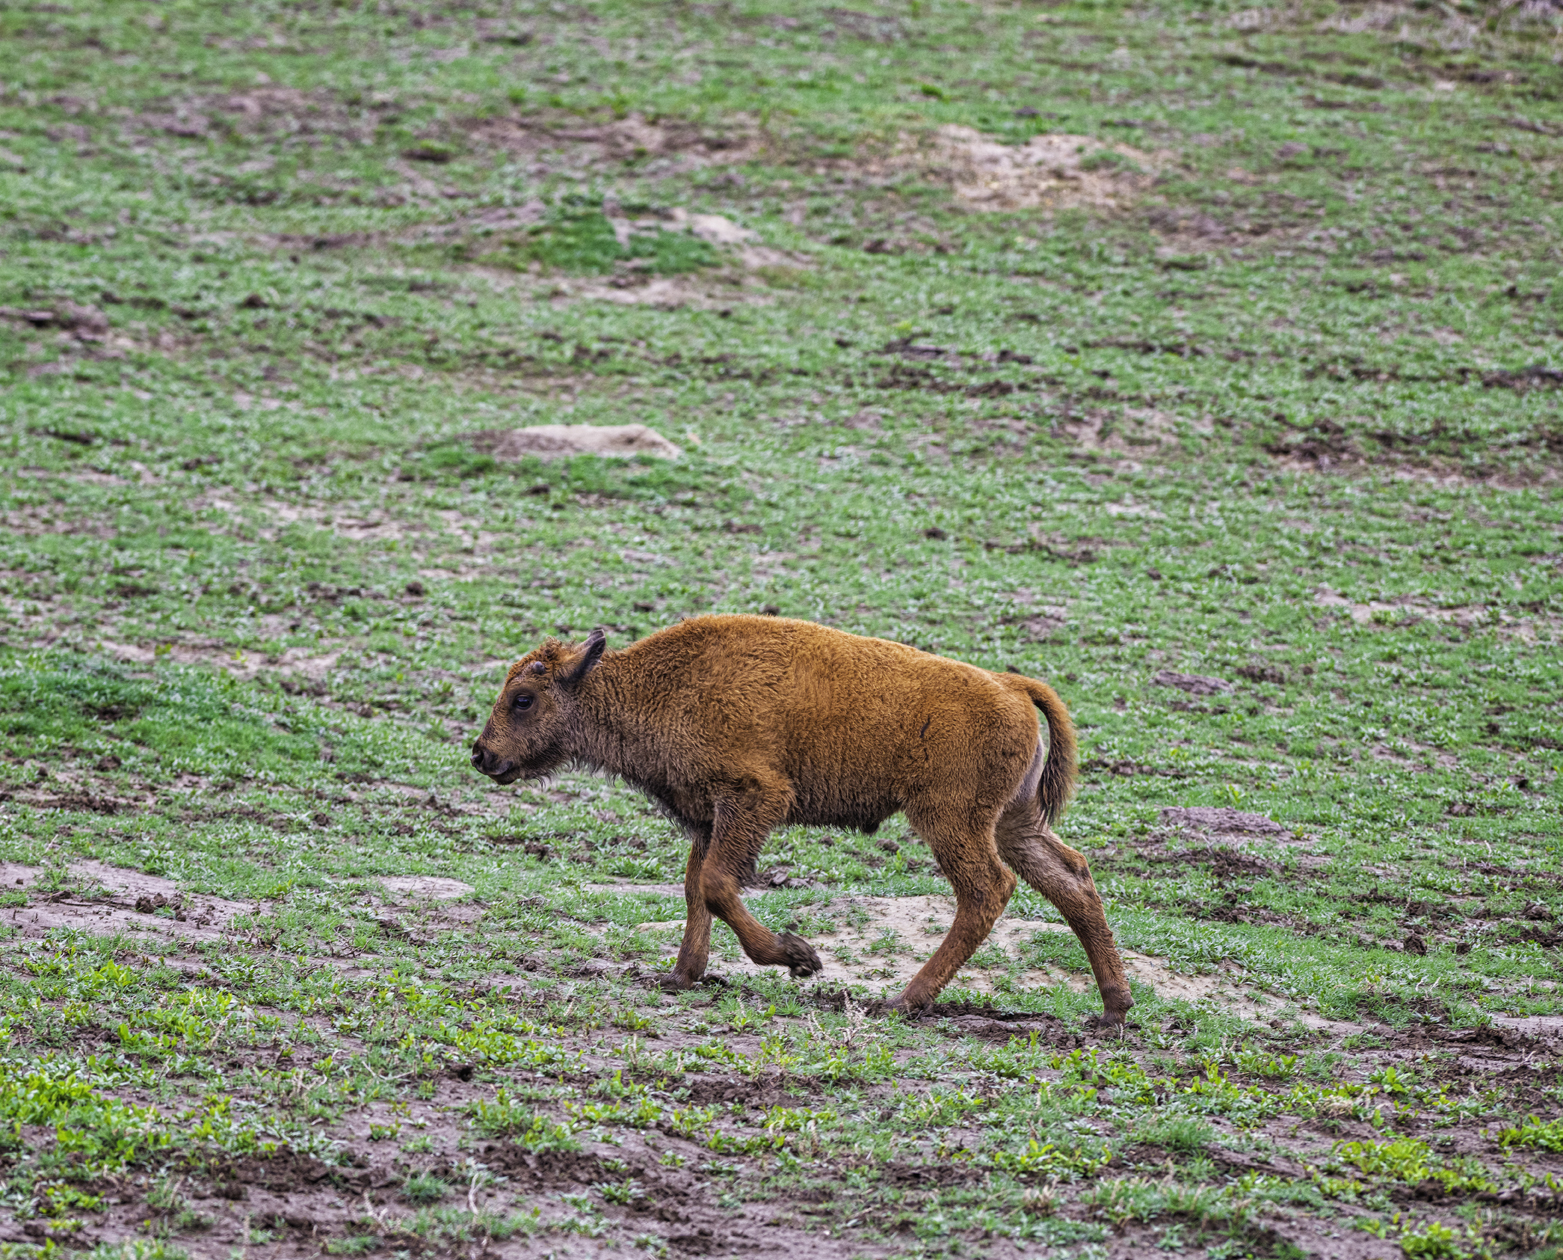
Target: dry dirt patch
[(1053, 171), (244, 664), (1223, 825), (894, 936), (557, 441), (1412, 609), (425, 887), (1542, 1027), (138, 905), (1129, 430), (663, 147)]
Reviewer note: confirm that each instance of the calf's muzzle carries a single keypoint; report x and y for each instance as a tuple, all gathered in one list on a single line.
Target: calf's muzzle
[(484, 762)]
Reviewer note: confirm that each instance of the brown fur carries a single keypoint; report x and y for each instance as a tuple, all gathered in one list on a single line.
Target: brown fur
[(738, 725)]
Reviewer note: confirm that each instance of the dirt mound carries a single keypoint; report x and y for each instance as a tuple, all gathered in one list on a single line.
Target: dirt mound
[(1546, 1028), (552, 441), (1048, 172)]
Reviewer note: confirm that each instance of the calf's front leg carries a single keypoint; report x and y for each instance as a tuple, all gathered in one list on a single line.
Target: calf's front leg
[(696, 948), (742, 823)]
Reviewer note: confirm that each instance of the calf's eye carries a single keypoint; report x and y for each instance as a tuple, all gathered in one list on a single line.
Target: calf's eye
[(523, 702)]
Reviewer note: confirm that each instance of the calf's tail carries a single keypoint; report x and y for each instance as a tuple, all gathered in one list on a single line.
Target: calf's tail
[(1057, 783)]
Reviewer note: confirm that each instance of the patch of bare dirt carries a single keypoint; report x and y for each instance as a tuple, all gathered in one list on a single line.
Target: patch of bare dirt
[(425, 887), (1193, 684), (1128, 430), (665, 293), (309, 118), (556, 441), (882, 942), (660, 148), (1223, 824), (1049, 172), (761, 1092), (133, 904), (240, 662), (1411, 609), (898, 1172), (1548, 1028)]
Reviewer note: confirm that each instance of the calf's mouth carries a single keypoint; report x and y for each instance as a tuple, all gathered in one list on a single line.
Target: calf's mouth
[(501, 771)]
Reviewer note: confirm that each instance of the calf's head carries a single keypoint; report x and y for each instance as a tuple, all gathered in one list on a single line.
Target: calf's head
[(534, 726)]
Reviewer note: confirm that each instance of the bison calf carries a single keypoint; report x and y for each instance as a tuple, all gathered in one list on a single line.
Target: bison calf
[(739, 725)]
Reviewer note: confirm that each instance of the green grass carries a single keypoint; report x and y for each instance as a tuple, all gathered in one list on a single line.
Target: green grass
[(1284, 414)]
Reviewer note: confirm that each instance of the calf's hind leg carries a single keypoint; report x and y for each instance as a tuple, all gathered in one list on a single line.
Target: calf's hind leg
[(982, 889), (1061, 874)]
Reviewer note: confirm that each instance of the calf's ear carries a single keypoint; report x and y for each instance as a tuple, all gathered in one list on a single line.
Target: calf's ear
[(589, 655)]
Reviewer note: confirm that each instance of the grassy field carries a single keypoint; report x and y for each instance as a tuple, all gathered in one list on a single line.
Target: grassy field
[(1203, 361)]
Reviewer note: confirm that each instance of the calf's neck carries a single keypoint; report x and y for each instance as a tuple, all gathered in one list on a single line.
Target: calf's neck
[(738, 725)]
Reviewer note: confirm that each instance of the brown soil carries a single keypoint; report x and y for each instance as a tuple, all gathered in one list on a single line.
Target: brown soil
[(140, 907), (656, 148)]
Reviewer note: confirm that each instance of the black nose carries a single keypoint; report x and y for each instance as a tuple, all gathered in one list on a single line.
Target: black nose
[(479, 756)]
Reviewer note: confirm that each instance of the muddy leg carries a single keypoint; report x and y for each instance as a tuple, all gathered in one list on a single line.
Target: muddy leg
[(692, 954), (982, 889), (1061, 875), (741, 827)]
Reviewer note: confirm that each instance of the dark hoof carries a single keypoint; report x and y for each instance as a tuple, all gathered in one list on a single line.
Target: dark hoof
[(675, 983), (1108, 1021), (802, 961)]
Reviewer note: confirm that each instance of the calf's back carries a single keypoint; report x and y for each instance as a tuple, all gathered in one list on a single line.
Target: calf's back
[(853, 728)]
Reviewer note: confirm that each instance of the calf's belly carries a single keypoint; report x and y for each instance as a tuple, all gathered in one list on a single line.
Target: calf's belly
[(854, 818)]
